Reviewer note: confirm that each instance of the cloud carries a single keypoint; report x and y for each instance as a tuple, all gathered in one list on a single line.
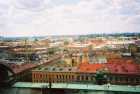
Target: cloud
[(50, 17), (31, 5)]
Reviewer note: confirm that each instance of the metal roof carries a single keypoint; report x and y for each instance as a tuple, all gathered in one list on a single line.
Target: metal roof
[(56, 69), (106, 87)]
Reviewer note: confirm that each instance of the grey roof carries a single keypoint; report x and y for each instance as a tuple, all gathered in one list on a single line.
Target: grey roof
[(56, 69)]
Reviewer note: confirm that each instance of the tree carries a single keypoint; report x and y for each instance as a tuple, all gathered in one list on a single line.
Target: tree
[(101, 77)]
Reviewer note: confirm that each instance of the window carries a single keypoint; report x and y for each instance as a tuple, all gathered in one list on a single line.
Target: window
[(40, 75), (87, 78), (63, 77), (82, 77), (70, 69), (78, 78), (53, 69), (72, 76), (69, 77), (110, 78), (66, 77), (60, 76), (60, 69), (137, 79), (57, 76), (127, 79)]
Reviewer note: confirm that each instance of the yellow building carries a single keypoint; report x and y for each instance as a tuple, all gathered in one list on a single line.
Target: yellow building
[(54, 74)]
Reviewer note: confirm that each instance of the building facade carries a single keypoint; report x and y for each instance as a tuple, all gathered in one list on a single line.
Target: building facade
[(87, 73)]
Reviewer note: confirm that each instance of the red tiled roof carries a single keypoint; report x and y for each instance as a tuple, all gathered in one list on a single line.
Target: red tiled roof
[(98, 42), (20, 68), (125, 68), (120, 60), (114, 68), (90, 67), (85, 49)]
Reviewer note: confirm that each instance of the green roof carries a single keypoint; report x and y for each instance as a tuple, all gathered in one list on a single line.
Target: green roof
[(79, 86)]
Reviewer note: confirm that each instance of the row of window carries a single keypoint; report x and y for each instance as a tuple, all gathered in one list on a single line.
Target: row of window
[(124, 79), (80, 77), (85, 78), (61, 77), (56, 77)]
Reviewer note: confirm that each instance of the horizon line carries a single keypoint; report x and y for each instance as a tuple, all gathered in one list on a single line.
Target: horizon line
[(6, 36)]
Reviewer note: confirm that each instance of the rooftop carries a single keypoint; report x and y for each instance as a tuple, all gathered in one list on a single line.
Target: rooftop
[(114, 68), (79, 86), (120, 60), (124, 68), (90, 67), (56, 69), (20, 68)]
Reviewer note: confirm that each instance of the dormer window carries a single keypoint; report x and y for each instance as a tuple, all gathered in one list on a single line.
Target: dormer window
[(70, 69), (60, 69), (53, 69)]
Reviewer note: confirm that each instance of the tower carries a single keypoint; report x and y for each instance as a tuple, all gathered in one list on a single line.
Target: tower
[(85, 58)]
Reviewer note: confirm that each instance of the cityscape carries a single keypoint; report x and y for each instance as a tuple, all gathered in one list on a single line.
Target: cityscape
[(95, 59), (69, 46)]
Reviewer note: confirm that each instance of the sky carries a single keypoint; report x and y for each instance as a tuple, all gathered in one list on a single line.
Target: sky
[(68, 17)]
